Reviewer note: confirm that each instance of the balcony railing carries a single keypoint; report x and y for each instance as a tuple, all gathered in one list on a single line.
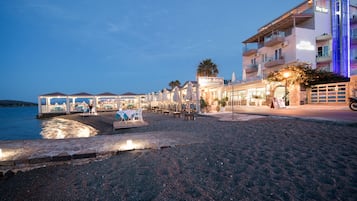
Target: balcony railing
[(323, 59), (251, 68), (274, 39), (324, 37), (248, 52), (276, 62)]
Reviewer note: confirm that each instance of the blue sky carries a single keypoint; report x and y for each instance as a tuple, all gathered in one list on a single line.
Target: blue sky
[(122, 46)]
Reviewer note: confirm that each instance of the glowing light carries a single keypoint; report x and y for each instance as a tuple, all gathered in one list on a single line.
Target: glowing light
[(305, 45), (9, 154), (58, 128), (286, 74), (129, 144), (320, 9)]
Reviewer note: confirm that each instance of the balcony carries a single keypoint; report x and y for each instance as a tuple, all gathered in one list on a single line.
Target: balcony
[(324, 37), (276, 62), (278, 37), (323, 59), (251, 68), (248, 52)]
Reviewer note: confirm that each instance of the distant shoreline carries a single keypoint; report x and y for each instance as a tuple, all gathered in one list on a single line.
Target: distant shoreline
[(15, 103)]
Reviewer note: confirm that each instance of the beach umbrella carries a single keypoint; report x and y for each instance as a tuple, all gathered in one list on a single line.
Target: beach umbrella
[(189, 92), (153, 98), (164, 95), (244, 75), (176, 97), (233, 77), (189, 95), (259, 73), (159, 98)]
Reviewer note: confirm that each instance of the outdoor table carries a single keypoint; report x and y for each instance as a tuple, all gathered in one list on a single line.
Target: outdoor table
[(189, 116), (177, 114)]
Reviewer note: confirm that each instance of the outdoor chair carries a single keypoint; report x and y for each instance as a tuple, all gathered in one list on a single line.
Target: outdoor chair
[(138, 115)]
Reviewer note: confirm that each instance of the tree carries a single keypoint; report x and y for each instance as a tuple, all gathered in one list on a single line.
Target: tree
[(304, 74), (207, 68), (174, 84)]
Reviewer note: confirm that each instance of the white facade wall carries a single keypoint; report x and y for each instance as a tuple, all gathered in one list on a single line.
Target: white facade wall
[(289, 51), (322, 23), (306, 46)]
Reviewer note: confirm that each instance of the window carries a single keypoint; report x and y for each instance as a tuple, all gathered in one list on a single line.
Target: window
[(264, 57), (319, 51), (253, 61), (277, 54), (323, 51)]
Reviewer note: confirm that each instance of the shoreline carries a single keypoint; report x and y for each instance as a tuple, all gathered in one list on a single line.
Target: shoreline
[(260, 159)]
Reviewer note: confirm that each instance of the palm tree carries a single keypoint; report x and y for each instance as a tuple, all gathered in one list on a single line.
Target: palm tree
[(174, 84), (207, 68)]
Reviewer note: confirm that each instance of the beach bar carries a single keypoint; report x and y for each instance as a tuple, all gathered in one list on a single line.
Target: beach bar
[(54, 104)]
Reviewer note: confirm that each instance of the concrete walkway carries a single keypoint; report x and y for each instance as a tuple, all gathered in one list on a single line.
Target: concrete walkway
[(28, 154), (333, 113)]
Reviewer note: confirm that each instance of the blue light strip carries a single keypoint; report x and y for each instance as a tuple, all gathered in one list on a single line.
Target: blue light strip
[(345, 62), (335, 37)]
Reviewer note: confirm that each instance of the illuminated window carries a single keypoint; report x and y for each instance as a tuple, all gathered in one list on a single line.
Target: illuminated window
[(277, 54), (323, 51)]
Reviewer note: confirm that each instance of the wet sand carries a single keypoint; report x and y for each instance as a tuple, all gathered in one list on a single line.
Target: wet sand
[(261, 159)]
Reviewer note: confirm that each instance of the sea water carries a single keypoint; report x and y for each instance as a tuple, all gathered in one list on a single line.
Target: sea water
[(20, 123)]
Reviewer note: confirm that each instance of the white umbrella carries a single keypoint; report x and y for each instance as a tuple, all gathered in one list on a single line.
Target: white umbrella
[(176, 97), (159, 98), (164, 95), (259, 73), (233, 77), (244, 75), (189, 93)]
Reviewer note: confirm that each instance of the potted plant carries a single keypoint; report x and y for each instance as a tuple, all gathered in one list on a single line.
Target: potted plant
[(203, 105), (222, 104)]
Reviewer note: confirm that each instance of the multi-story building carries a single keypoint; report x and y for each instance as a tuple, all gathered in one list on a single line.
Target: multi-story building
[(322, 33)]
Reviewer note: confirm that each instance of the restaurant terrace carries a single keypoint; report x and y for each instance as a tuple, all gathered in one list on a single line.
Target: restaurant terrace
[(57, 103)]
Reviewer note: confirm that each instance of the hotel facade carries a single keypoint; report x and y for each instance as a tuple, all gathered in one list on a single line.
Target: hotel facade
[(322, 33)]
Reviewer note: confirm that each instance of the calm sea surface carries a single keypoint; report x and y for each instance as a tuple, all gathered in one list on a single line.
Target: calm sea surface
[(20, 123)]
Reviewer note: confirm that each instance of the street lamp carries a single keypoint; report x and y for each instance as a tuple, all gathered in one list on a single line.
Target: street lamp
[(286, 75), (232, 81)]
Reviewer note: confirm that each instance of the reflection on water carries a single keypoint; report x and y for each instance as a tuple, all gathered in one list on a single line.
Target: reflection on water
[(58, 128)]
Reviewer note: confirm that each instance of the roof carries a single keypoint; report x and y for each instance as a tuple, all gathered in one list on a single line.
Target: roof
[(55, 94), (128, 94), (194, 83), (107, 94), (285, 21), (82, 94)]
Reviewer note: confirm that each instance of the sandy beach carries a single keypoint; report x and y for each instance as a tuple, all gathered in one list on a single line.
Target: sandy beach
[(266, 158)]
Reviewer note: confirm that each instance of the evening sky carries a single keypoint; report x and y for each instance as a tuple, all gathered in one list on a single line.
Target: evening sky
[(122, 46)]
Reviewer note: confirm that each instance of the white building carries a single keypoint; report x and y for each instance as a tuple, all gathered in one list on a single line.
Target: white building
[(322, 33)]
